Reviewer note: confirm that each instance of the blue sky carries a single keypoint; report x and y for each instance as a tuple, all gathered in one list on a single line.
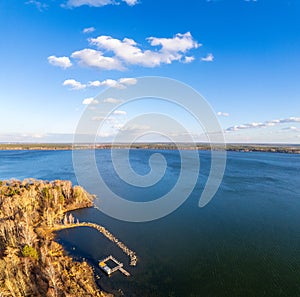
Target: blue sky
[(242, 56)]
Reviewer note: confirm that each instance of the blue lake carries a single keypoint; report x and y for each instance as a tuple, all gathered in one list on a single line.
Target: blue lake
[(245, 242)]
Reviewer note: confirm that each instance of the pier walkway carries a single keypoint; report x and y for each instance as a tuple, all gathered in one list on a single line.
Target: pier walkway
[(108, 270)]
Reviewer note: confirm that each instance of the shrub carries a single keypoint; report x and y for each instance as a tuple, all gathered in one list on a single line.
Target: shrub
[(29, 251)]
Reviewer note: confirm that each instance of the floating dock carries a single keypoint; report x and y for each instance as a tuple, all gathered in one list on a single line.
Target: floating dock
[(108, 270)]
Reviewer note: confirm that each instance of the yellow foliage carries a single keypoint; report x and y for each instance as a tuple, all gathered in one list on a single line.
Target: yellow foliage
[(33, 264)]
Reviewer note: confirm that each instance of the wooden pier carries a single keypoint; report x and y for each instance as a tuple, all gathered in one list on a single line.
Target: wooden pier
[(108, 270)]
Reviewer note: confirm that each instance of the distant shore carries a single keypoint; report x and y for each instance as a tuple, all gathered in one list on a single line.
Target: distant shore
[(272, 148)]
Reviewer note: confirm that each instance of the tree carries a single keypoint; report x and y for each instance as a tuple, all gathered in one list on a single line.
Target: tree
[(29, 251), (53, 279)]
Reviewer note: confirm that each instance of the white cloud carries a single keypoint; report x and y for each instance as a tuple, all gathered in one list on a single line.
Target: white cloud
[(264, 124), (246, 126), (116, 54), (95, 83), (97, 3), (131, 2), (74, 84), (179, 43), (120, 112), (107, 83), (188, 59), (93, 3), (92, 58), (98, 118), (112, 100), (274, 121), (122, 83), (208, 58), (63, 62), (39, 5), (134, 128), (223, 114), (270, 124), (128, 81), (90, 100), (291, 128), (88, 30), (127, 51), (290, 120)]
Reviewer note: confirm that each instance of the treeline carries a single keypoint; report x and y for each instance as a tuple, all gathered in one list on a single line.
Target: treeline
[(31, 262), (272, 148)]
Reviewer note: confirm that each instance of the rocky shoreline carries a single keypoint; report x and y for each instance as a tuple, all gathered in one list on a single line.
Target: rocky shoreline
[(32, 263)]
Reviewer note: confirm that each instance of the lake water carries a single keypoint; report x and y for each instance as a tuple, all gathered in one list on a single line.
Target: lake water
[(245, 242)]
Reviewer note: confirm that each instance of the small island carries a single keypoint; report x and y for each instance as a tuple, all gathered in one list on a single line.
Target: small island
[(32, 263)]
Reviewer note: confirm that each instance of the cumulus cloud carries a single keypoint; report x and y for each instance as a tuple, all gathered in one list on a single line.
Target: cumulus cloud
[(74, 84), (112, 100), (89, 100), (63, 62), (107, 83), (117, 54), (121, 83), (97, 3), (223, 114), (208, 58), (93, 58), (88, 30), (128, 52), (246, 126), (131, 2), (119, 112), (264, 124), (188, 59), (179, 43), (128, 81)]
